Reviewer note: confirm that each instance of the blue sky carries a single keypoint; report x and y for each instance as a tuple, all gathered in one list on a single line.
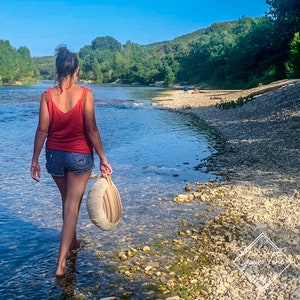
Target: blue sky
[(42, 25)]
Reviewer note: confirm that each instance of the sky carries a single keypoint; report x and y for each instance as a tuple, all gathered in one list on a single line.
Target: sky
[(43, 25)]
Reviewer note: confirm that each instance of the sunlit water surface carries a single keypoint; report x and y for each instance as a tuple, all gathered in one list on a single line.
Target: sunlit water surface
[(153, 152)]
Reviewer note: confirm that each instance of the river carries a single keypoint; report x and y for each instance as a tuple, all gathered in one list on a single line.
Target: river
[(153, 152)]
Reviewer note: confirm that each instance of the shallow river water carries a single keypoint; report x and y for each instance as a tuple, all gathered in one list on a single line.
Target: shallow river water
[(153, 152)]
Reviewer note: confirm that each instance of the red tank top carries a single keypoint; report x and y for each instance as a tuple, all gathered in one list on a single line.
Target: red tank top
[(66, 131)]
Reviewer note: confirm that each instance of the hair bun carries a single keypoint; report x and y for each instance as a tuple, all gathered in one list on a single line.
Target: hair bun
[(62, 51), (66, 63)]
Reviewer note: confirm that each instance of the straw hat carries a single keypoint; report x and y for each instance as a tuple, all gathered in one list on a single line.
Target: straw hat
[(104, 204)]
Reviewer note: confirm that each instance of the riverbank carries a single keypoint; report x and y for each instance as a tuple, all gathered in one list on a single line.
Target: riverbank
[(259, 160)]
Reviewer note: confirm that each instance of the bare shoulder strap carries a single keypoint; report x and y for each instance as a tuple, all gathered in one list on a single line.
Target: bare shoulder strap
[(84, 97), (47, 95)]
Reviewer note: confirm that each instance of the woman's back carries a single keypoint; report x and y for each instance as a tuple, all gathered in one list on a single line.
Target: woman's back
[(66, 99), (66, 120)]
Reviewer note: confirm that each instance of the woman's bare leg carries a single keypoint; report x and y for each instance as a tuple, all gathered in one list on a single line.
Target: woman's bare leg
[(72, 188), (61, 183)]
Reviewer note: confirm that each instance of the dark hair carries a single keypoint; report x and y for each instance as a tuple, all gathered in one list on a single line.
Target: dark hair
[(66, 63)]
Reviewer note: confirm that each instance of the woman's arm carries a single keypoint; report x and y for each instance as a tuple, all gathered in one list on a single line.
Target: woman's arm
[(93, 133), (40, 136)]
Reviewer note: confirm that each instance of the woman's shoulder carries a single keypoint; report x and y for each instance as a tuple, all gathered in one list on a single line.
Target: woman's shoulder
[(87, 92), (46, 95), (86, 88), (48, 90)]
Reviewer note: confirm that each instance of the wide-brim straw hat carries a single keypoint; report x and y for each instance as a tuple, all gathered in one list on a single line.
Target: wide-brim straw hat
[(104, 204)]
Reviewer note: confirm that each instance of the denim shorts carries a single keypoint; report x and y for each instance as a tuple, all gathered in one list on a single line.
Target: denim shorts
[(60, 162)]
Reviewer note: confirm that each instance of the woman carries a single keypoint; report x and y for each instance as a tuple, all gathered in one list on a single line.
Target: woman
[(67, 120)]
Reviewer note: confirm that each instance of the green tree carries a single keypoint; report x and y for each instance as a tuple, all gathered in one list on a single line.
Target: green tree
[(170, 76), (97, 60), (208, 54), (27, 66), (106, 43), (293, 63), (16, 65), (250, 61), (46, 67), (285, 15)]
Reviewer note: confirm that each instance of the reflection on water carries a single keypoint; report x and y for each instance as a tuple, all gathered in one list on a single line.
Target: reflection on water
[(153, 152)]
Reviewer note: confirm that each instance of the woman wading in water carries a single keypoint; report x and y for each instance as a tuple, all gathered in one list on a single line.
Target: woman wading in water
[(67, 123)]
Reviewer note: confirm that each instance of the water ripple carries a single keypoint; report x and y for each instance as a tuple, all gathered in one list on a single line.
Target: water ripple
[(153, 152)]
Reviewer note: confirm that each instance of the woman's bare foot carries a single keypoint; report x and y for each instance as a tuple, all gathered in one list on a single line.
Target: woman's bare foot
[(61, 271)]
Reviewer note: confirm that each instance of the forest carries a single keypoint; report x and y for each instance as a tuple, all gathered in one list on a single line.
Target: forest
[(16, 66), (240, 54)]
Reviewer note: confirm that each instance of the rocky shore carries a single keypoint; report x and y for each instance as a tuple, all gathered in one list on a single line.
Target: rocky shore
[(249, 248), (253, 245)]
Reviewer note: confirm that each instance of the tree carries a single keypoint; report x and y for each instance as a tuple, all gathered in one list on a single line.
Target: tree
[(170, 76), (27, 66), (16, 65), (46, 67), (85, 51), (285, 15), (208, 55), (293, 63), (250, 60), (106, 43)]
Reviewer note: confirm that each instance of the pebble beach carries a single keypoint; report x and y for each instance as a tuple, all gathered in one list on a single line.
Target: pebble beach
[(254, 242)]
